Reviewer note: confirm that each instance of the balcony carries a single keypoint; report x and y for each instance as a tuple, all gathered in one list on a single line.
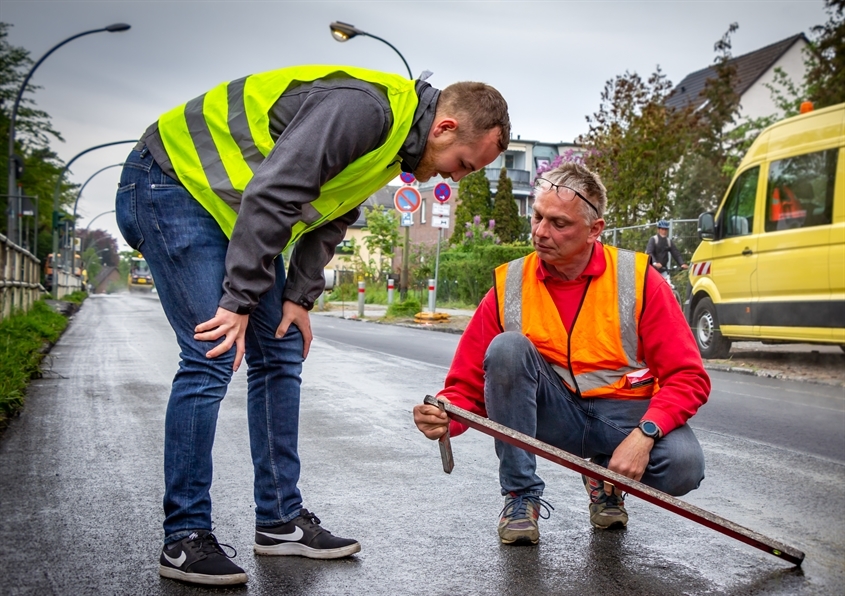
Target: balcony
[(520, 178)]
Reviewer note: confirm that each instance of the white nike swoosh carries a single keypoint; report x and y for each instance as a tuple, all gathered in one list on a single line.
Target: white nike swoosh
[(176, 562), (292, 537)]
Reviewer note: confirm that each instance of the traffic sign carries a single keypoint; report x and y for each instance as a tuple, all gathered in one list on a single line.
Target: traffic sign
[(440, 221), (407, 199), (407, 220), (442, 192), (407, 177), (440, 209)]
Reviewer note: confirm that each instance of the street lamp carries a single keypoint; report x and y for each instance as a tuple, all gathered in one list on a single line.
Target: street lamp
[(97, 217), (56, 207), (344, 32), (75, 203), (12, 173)]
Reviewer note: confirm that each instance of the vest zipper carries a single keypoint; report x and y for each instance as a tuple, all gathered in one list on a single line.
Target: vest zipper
[(569, 338)]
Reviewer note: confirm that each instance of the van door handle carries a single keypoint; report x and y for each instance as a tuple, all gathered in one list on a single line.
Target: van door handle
[(747, 252)]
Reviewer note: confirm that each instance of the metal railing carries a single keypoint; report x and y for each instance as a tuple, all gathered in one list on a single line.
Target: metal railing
[(20, 283), (682, 232)]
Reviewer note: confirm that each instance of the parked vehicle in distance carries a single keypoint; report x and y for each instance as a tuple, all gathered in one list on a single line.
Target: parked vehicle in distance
[(48, 270), (771, 264), (140, 278)]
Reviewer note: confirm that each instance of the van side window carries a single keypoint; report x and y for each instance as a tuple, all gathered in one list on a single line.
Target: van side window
[(800, 192), (737, 217)]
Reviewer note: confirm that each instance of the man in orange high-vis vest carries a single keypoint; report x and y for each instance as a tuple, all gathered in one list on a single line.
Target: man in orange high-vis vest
[(582, 346)]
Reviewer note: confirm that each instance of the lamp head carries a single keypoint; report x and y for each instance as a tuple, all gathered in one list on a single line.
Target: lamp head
[(117, 27), (344, 31)]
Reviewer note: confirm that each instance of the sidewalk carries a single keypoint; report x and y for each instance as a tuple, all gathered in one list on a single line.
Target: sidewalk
[(349, 310)]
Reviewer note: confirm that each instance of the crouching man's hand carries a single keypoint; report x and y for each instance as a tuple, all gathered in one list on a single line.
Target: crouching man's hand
[(631, 456), (431, 420)]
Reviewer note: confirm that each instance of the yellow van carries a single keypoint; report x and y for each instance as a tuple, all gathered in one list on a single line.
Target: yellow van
[(771, 264)]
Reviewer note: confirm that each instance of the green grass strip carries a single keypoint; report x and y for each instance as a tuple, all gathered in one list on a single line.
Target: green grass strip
[(21, 338)]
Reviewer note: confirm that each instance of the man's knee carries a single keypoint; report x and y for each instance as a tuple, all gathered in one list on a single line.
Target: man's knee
[(677, 466), (509, 371), (506, 350)]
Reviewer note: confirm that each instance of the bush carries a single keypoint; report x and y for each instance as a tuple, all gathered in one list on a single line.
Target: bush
[(408, 308), (467, 276), (76, 297), (21, 338)]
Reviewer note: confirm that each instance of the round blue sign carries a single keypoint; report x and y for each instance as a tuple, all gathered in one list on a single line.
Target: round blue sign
[(407, 177), (442, 192)]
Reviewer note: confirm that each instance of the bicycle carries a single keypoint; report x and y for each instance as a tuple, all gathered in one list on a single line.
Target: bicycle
[(666, 274)]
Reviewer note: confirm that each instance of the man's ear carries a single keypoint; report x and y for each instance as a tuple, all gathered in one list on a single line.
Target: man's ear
[(596, 229), (444, 124)]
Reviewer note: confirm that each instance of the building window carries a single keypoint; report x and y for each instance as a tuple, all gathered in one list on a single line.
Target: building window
[(344, 248)]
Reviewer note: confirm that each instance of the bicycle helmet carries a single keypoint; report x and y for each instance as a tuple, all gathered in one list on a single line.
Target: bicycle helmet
[(663, 224)]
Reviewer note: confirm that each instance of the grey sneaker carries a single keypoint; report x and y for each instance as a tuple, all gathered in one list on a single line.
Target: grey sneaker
[(199, 559), (606, 511), (518, 522)]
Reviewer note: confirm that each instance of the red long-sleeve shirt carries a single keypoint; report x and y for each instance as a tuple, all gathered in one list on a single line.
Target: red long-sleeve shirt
[(666, 345)]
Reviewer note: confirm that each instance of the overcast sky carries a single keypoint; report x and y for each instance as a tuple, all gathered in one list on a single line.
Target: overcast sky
[(550, 59)]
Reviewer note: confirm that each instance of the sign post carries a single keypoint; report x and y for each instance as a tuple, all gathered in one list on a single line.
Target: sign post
[(439, 219), (407, 200)]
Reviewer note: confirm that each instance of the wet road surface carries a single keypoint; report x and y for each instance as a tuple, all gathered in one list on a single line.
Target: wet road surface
[(81, 482)]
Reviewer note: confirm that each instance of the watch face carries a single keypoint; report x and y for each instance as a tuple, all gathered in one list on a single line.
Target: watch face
[(649, 428)]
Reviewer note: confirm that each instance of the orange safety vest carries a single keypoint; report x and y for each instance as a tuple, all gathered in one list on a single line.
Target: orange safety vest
[(598, 358)]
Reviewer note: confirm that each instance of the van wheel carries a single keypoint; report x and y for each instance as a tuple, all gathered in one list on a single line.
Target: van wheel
[(709, 338)]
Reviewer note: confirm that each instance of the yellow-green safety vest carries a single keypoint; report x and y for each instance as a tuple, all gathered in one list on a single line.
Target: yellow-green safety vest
[(215, 143)]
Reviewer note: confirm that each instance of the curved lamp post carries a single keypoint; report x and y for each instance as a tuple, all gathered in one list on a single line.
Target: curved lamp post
[(344, 32), (90, 244), (76, 202), (97, 217), (117, 27), (56, 206)]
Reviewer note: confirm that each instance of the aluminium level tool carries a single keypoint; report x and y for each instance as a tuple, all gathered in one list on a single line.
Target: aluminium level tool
[(638, 489)]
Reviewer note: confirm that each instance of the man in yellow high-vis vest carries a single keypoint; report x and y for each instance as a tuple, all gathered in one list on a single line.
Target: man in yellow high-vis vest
[(582, 346), (213, 193)]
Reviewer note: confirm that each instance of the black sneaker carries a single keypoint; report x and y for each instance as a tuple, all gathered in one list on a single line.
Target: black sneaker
[(303, 536), (199, 559)]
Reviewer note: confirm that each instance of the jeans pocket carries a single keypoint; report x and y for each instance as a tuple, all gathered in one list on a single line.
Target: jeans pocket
[(126, 215)]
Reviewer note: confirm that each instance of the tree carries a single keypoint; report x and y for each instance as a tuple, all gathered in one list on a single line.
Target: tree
[(635, 143), (473, 199), (825, 78), (33, 134), (505, 212), (383, 228)]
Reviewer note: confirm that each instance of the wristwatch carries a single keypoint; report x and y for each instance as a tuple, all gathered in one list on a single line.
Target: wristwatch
[(649, 429)]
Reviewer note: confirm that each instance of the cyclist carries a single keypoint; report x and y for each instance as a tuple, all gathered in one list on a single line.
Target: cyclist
[(659, 247)]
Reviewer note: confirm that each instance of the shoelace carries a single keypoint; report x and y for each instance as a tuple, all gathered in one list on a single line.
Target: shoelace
[(613, 500), (313, 520), (520, 506), (207, 544)]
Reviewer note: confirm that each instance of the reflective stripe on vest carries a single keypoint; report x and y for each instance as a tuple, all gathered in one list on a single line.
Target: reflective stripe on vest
[(618, 335), (215, 143)]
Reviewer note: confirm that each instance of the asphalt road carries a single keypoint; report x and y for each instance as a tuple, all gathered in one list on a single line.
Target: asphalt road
[(81, 480)]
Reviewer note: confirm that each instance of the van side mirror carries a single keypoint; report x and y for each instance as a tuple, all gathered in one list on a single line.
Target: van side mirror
[(706, 226)]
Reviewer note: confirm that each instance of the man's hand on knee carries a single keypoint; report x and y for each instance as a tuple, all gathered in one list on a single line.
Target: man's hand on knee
[(431, 420), (631, 456)]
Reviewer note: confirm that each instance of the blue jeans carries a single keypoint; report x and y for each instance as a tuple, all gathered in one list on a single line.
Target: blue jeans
[(522, 391), (186, 252)]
